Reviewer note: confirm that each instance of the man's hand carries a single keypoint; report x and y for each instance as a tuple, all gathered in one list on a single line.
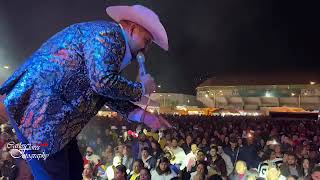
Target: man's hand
[(151, 120), (148, 83)]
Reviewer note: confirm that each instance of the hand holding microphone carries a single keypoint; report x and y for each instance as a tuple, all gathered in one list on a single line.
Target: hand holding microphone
[(148, 83), (146, 79)]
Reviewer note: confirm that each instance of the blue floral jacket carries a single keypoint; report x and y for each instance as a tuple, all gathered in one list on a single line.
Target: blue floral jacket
[(54, 94)]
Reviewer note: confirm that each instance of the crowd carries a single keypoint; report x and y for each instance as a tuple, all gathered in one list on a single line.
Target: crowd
[(198, 147)]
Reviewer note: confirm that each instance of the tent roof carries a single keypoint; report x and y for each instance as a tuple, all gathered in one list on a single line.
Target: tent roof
[(262, 79)]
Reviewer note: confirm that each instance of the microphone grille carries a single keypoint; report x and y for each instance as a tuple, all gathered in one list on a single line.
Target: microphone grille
[(140, 57)]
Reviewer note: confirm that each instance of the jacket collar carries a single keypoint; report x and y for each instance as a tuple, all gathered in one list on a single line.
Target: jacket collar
[(127, 56)]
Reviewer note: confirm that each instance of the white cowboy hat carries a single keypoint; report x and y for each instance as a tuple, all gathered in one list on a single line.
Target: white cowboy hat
[(145, 18)]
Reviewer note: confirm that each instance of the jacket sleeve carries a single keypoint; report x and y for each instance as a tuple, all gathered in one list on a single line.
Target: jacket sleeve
[(103, 54), (9, 84), (222, 167)]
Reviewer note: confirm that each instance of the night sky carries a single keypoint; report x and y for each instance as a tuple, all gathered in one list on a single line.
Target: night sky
[(206, 38)]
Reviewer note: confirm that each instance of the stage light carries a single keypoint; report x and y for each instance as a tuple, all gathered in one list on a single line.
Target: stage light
[(312, 82)]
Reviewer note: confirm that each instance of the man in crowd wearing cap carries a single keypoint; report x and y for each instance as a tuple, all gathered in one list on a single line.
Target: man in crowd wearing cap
[(54, 94)]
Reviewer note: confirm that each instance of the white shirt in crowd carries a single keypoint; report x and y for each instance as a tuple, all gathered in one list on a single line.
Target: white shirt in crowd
[(109, 173), (189, 161), (179, 154), (156, 176), (192, 176), (93, 158), (146, 164), (263, 166), (228, 162)]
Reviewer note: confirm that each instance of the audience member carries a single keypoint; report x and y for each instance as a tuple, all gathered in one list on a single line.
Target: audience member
[(137, 166), (148, 160), (277, 148), (120, 172), (145, 174), (163, 170)]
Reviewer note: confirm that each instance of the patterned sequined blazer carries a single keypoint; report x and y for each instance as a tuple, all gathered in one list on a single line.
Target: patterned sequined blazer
[(67, 81)]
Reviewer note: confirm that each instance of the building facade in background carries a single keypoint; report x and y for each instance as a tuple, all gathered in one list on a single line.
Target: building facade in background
[(254, 92), (172, 100)]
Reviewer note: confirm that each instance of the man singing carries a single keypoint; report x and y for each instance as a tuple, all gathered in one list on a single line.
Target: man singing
[(53, 95)]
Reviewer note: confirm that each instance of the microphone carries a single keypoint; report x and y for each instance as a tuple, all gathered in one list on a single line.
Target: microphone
[(142, 70), (141, 60)]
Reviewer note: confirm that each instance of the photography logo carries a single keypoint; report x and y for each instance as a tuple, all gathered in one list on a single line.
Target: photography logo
[(27, 151)]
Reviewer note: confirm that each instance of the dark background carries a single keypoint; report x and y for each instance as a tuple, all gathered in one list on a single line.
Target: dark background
[(207, 38)]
